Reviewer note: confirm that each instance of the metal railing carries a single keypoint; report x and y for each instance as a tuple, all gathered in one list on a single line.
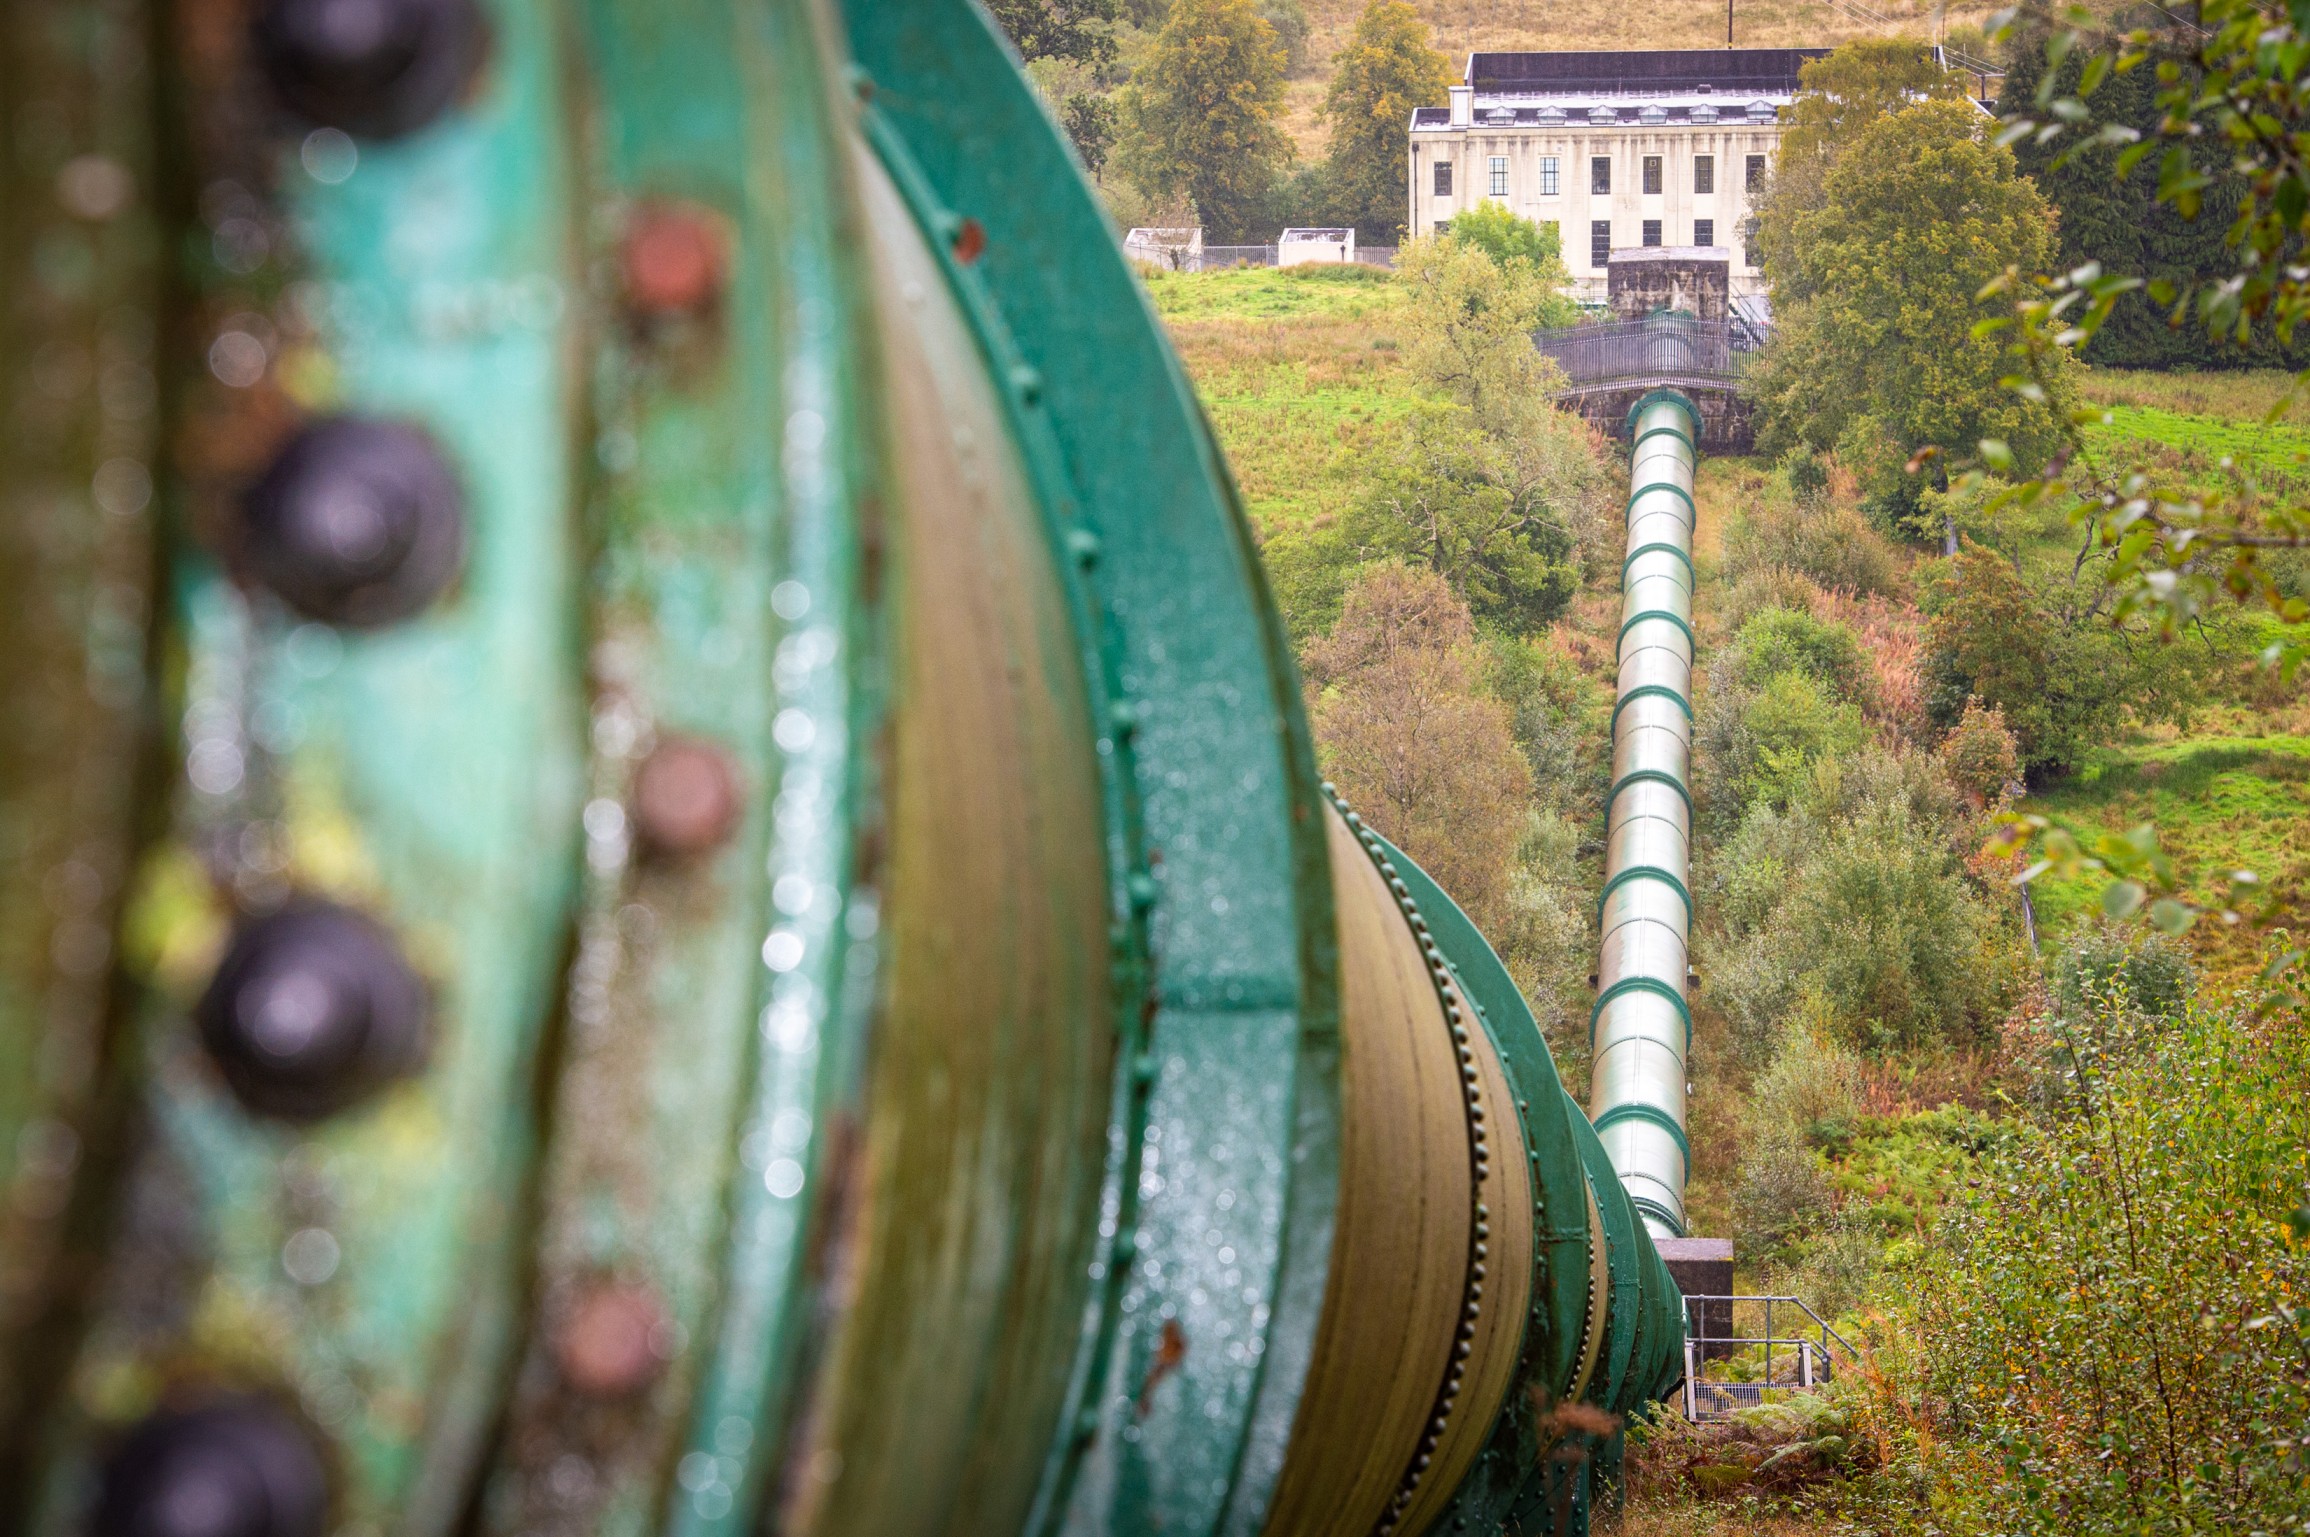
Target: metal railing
[(1661, 349), (1810, 1351)]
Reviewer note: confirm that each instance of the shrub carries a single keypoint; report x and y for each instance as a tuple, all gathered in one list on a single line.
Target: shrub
[(1784, 640), (1806, 529), (1764, 743), (1981, 753), (1402, 725), (1782, 1191), (2063, 675), (2110, 965), (2118, 1320)]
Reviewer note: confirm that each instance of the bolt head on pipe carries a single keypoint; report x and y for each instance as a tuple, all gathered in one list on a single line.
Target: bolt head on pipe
[(313, 1009), (673, 261), (608, 1343), (374, 68), (687, 799), (356, 522), (239, 1467)]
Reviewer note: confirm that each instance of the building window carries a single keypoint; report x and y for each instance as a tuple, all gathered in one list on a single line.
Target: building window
[(1553, 233), (1756, 179), (1600, 242), (1443, 178), (1704, 173), (1704, 232), (1547, 175), (1443, 226), (1600, 174), (1749, 243), (1499, 176), (1652, 174), (1652, 232)]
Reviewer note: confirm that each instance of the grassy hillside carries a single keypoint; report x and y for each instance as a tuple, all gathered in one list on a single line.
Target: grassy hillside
[(1465, 26), (1298, 370)]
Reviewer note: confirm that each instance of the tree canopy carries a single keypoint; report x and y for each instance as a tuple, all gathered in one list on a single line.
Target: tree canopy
[(1877, 290), (1199, 115), (1387, 68), (1059, 29)]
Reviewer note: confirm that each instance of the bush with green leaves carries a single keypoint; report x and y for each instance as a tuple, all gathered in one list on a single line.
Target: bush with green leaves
[(1793, 640), (2046, 654), (2110, 965), (1855, 894), (2114, 1334), (1444, 494), (1815, 534), (1509, 240)]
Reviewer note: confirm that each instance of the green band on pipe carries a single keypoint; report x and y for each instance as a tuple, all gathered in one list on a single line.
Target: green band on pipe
[(1649, 1207), (1655, 776), (1651, 398), (1628, 1111), (1649, 690), (1655, 548), (1659, 485), (1636, 619), (1640, 985), (1643, 873), (1677, 433)]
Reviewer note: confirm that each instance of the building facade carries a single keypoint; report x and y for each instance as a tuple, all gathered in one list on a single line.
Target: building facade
[(1618, 150)]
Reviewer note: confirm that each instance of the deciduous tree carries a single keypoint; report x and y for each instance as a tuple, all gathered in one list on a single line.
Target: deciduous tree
[(1413, 744), (1877, 292), (1199, 116), (1074, 30), (1387, 69)]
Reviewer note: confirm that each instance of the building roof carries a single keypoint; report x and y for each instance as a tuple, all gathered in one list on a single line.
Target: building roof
[(1732, 72), (1636, 88)]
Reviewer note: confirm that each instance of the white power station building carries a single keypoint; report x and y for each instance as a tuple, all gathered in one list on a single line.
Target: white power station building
[(1618, 150)]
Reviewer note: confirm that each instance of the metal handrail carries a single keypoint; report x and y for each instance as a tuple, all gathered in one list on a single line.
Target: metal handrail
[(1697, 1337)]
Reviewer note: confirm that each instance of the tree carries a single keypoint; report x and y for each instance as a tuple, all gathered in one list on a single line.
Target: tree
[(2062, 677), (1386, 70), (1292, 32), (1510, 241), (1090, 122), (1446, 495), (2114, 217), (1470, 321), (1403, 730), (1058, 29), (1877, 291), (1199, 116), (1838, 96)]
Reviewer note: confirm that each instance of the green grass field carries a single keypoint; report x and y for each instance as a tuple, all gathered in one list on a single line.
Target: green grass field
[(1300, 374)]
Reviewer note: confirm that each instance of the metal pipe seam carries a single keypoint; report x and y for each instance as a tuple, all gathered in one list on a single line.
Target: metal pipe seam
[(1651, 691), (1651, 614), (1627, 985), (1660, 548), (1663, 485), (1649, 776), (1652, 1113)]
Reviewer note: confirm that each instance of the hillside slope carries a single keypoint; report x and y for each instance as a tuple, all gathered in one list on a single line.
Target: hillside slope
[(1464, 26)]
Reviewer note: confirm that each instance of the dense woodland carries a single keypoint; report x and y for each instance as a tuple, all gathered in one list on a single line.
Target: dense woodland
[(1999, 1058)]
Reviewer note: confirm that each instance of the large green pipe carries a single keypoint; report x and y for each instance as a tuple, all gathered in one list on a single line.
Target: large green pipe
[(791, 970)]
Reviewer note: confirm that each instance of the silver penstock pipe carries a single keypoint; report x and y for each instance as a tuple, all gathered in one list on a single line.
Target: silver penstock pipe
[(1641, 1026)]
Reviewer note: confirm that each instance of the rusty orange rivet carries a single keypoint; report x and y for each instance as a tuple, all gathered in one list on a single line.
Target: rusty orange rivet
[(970, 241), (673, 261), (608, 1344), (686, 797)]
